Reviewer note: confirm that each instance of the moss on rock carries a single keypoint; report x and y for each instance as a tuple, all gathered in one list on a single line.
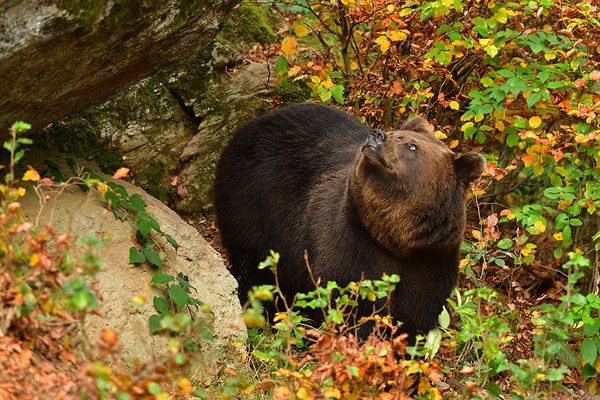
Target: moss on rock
[(80, 136), (248, 24)]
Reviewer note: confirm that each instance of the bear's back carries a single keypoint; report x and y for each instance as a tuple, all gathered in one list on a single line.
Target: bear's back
[(266, 173)]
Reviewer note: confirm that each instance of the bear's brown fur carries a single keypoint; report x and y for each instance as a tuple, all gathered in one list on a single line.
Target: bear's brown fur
[(360, 201)]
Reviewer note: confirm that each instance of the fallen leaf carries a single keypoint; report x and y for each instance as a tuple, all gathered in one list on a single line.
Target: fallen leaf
[(595, 76), (182, 191), (579, 83), (121, 173)]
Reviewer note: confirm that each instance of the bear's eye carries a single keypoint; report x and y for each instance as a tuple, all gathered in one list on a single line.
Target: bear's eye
[(412, 147)]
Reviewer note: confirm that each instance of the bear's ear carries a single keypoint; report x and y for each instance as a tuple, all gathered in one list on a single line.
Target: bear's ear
[(417, 124), (470, 166)]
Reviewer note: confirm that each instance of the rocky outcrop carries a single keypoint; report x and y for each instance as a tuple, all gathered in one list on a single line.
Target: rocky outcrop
[(78, 212), (61, 56), (175, 123)]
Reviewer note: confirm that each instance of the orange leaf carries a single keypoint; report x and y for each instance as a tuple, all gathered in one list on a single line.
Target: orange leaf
[(31, 175), (109, 336), (579, 83), (595, 76), (185, 385), (288, 46), (121, 173)]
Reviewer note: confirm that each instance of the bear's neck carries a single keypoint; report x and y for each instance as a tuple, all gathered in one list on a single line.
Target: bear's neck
[(402, 228)]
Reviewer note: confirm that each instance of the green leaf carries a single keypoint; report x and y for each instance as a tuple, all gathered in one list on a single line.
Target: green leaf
[(171, 240), (505, 243), (137, 204), (20, 126), (512, 139), (444, 318), (145, 223), (353, 370), (588, 351), (135, 256), (281, 65), (506, 73), (533, 98), (152, 257), (161, 305), (588, 371), (71, 163), (159, 277), (337, 91), (185, 283), (154, 388), (154, 322), (178, 295), (494, 389), (432, 344), (112, 198), (567, 356)]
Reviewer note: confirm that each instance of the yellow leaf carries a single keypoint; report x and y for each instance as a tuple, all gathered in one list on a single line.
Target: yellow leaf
[(549, 56), (294, 70), (332, 393), (396, 36), (539, 225), (454, 105), (479, 117), (453, 144), (34, 260), (384, 42), (371, 296), (440, 135), (558, 236), (300, 29), (535, 121), (279, 316), (328, 84), (500, 126), (31, 175), (390, 8), (303, 394), (288, 46), (476, 234), (466, 125), (528, 249), (405, 12)]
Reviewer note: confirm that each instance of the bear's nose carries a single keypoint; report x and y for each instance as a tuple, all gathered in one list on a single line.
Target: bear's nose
[(379, 136)]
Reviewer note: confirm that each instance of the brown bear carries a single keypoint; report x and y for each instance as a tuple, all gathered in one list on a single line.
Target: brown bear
[(359, 200)]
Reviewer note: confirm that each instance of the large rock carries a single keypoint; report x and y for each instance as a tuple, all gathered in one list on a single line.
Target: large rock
[(61, 56), (78, 212)]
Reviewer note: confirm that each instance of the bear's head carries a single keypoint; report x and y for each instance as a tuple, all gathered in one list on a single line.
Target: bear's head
[(409, 188)]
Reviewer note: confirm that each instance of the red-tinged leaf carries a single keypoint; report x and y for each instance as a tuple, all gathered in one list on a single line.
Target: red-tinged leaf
[(579, 83), (595, 76), (492, 220), (121, 173), (174, 180), (182, 191), (46, 181)]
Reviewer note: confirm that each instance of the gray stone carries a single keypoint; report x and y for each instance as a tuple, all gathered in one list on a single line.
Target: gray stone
[(59, 57), (76, 212)]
